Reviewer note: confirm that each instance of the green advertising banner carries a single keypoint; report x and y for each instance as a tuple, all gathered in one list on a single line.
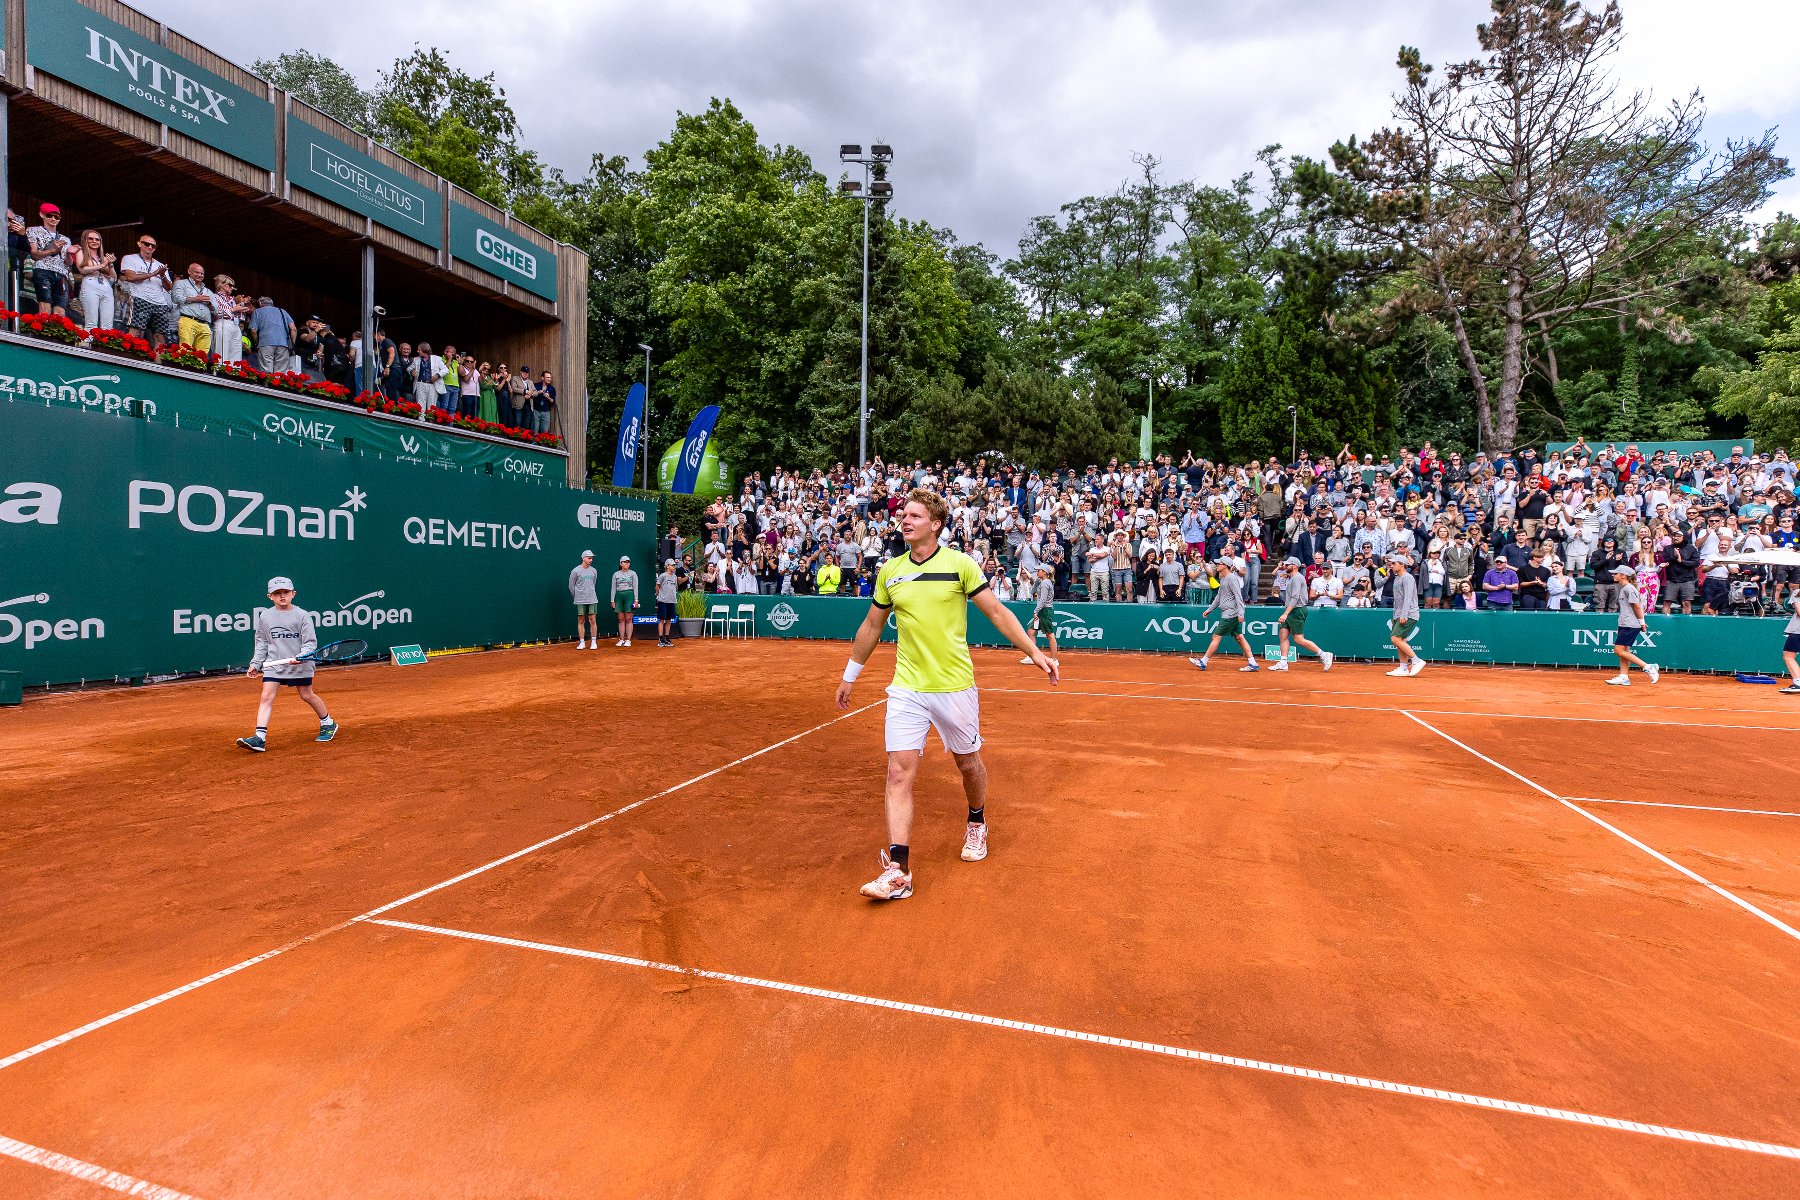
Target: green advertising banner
[(77, 44), (1721, 450), (342, 174), (500, 251), (103, 384), (1538, 638), (147, 551)]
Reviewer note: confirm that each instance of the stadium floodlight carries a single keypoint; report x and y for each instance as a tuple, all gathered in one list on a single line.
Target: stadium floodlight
[(868, 191)]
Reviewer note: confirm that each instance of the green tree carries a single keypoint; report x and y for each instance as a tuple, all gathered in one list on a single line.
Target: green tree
[(320, 82), (455, 124)]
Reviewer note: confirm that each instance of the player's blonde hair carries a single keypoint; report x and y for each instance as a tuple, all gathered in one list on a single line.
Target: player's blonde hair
[(932, 503)]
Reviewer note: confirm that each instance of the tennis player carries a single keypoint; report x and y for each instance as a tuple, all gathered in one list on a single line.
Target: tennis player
[(625, 598), (1406, 613), (1043, 613), (1290, 583), (1228, 602), (284, 632), (1631, 626), (1790, 646), (929, 590)]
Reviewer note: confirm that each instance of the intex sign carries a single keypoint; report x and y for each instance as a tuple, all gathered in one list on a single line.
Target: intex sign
[(510, 255), (179, 93)]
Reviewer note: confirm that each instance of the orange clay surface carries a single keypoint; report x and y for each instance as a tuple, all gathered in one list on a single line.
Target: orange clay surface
[(1282, 868)]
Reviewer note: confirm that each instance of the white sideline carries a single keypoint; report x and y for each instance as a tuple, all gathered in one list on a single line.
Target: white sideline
[(1374, 708), (265, 956), (1755, 812), (1077, 1035), (50, 1160), (1658, 855)]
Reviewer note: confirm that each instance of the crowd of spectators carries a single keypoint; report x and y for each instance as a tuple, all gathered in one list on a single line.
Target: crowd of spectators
[(81, 279), (1513, 531)]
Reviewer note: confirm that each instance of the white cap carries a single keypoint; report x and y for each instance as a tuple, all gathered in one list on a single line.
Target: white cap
[(1624, 569), (668, 562), (281, 583), (1292, 562), (624, 558), (587, 554)]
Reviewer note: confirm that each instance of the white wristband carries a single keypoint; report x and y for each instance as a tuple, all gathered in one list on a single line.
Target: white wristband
[(851, 670)]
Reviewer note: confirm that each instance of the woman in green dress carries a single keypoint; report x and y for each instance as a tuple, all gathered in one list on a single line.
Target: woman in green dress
[(489, 409)]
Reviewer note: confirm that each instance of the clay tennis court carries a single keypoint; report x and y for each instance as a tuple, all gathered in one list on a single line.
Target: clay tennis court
[(548, 923)]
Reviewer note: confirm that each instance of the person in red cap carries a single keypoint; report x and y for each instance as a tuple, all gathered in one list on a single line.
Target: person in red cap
[(49, 261)]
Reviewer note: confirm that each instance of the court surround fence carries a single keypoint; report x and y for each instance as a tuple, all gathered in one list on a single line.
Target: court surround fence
[(132, 548), (107, 385), (1552, 639)]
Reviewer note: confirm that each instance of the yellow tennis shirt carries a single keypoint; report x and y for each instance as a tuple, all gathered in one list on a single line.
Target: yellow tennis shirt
[(930, 601)]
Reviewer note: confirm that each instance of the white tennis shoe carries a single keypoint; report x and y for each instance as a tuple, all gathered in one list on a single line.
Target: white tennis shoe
[(975, 842), (1399, 672), (1620, 680), (1418, 664), (1652, 670), (1279, 664), (582, 644), (891, 884), (1325, 657)]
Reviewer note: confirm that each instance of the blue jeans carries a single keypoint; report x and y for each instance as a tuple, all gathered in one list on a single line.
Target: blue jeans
[(1122, 584)]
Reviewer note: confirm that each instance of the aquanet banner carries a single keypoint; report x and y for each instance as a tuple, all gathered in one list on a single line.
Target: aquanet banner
[(103, 384), (78, 45), (1679, 643), (134, 548)]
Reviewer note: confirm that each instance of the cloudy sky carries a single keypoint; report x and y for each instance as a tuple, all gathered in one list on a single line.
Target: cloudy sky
[(1001, 110)]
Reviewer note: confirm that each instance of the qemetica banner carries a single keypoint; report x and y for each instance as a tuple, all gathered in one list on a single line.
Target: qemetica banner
[(103, 384), (1536, 639), (132, 548)]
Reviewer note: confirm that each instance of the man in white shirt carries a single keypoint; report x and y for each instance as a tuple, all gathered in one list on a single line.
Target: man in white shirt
[(152, 313)]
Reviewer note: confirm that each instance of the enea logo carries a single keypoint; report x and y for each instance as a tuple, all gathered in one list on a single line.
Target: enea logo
[(1072, 632), (33, 504), (357, 613), (783, 617), (510, 255), (35, 630), (628, 440), (201, 508), (696, 451), (1188, 629)]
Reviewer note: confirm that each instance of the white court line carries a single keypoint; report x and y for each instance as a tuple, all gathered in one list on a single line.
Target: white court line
[(61, 1163), (1757, 812), (1077, 1035), (1658, 855), (1785, 710), (1375, 708), (113, 1018)]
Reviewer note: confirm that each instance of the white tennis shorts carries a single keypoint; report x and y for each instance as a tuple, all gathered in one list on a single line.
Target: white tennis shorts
[(912, 715)]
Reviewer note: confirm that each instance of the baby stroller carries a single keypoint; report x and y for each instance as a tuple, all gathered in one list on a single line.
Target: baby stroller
[(1745, 596)]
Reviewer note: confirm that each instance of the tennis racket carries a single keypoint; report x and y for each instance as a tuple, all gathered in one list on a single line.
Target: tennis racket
[(330, 652)]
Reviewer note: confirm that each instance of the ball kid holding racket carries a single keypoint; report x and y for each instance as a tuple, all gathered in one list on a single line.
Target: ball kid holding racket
[(286, 648)]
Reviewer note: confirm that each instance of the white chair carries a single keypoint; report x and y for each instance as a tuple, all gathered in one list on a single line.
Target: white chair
[(720, 615), (746, 616)]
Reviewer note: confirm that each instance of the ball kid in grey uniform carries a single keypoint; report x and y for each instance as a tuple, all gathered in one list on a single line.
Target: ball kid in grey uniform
[(1406, 613), (284, 631)]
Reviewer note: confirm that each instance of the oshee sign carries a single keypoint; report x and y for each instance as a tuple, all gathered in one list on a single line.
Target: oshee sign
[(500, 251), (77, 379), (149, 550), (77, 44), (342, 174)]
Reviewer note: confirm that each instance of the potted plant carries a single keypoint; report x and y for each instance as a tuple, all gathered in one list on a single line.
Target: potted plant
[(690, 612)]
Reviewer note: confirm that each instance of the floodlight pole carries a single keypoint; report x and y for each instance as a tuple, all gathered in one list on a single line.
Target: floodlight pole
[(862, 441), (644, 432), (879, 152)]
